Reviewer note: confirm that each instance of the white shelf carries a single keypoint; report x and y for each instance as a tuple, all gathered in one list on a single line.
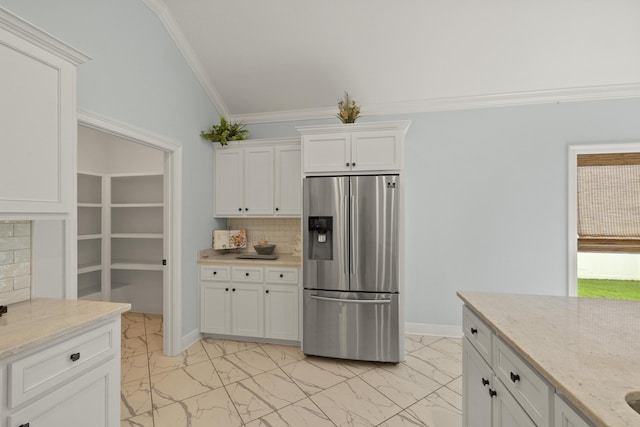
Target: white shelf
[(137, 205), (137, 236), (146, 266), (89, 236), (88, 268), (89, 205)]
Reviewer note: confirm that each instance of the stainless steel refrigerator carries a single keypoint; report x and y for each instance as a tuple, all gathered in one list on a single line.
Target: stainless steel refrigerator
[(352, 306)]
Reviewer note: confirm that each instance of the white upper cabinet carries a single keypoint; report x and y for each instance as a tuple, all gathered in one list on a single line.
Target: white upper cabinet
[(37, 121), (353, 148), (258, 178), (288, 188), (258, 181)]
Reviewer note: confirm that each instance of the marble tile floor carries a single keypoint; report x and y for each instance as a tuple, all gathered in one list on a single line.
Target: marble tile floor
[(230, 383)]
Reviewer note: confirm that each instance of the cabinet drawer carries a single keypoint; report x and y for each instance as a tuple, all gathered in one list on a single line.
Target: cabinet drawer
[(478, 333), (282, 275), (215, 273), (529, 389), (46, 369), (247, 274)]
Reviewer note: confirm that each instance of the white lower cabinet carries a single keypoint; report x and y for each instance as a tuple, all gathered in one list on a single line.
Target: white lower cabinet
[(259, 302), (73, 383), (496, 384), (500, 389)]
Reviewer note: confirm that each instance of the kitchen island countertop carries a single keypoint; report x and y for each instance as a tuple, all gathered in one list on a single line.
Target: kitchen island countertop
[(209, 256), (587, 348), (28, 324)]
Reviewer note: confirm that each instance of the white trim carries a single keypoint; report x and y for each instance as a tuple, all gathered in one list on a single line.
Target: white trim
[(572, 211), (39, 37), (401, 125), (550, 96), (190, 339), (162, 11), (172, 291), (451, 331)]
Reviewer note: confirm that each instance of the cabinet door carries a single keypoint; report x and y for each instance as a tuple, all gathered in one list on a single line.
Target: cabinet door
[(229, 182), (376, 151), (327, 152), (506, 411), (247, 310), (37, 130), (281, 312), (215, 307), (565, 416), (288, 192), (476, 382), (258, 181), (91, 400)]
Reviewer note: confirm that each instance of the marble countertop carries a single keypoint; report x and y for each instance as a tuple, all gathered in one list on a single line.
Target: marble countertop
[(209, 256), (31, 323), (588, 349)]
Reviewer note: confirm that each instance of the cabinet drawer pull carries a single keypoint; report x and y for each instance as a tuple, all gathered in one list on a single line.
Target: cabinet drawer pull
[(353, 164), (226, 289), (239, 209), (246, 274), (474, 331), (215, 272), (267, 291), (281, 276), (492, 393), (485, 382), (277, 209), (233, 290), (347, 164), (246, 209), (75, 357), (514, 377)]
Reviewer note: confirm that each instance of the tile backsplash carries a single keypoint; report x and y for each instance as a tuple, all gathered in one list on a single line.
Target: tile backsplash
[(15, 261), (283, 232)]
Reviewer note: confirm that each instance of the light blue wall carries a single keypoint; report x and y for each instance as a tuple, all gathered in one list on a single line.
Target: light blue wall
[(487, 197), (138, 76)]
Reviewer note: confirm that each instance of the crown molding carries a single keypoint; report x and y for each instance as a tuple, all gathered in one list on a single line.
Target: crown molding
[(41, 38), (162, 11), (552, 96)]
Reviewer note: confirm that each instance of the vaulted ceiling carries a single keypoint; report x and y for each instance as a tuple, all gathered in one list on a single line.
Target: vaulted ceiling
[(276, 60)]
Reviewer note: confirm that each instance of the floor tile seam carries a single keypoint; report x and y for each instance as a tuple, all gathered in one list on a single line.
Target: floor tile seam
[(182, 400), (392, 400), (182, 367)]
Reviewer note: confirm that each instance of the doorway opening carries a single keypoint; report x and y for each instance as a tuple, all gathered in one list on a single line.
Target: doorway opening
[(604, 231), (128, 220)]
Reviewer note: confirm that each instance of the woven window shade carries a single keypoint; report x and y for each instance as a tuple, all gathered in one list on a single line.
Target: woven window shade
[(609, 203)]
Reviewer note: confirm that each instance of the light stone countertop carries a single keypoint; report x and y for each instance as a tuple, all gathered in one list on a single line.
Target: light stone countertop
[(209, 256), (31, 323), (588, 349)]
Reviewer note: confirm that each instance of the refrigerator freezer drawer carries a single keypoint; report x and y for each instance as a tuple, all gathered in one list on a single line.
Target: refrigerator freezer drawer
[(352, 325)]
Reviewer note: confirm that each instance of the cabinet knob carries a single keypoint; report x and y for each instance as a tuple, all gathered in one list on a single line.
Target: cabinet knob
[(215, 272), (75, 357), (277, 209), (246, 274), (233, 290), (267, 291), (347, 164), (492, 393), (226, 289), (239, 209), (281, 276), (514, 377), (246, 209), (485, 382), (474, 331), (353, 164)]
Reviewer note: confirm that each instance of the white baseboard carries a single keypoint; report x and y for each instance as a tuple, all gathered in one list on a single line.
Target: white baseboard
[(450, 331), (189, 339)]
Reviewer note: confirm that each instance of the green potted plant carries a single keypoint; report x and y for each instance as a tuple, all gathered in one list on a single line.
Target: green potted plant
[(225, 132)]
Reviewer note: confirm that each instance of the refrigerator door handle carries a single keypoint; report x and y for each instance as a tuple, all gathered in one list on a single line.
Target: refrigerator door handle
[(352, 236), (353, 301), (346, 241)]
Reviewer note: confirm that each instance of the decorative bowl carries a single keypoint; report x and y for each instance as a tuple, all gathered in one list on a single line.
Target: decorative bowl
[(264, 249)]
